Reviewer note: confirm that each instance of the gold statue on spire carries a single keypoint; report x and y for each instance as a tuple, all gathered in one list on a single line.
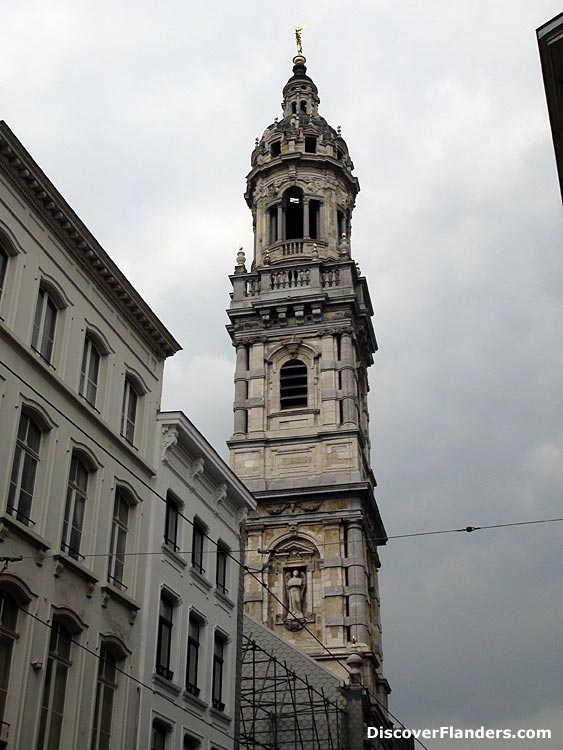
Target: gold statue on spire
[(298, 42)]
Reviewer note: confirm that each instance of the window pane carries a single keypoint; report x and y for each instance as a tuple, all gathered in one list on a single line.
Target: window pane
[(3, 265), (24, 467)]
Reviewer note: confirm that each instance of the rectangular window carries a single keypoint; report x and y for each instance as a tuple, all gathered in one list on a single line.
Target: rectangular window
[(193, 656), (164, 638), (129, 411), (158, 736), (52, 706), (197, 547), (221, 571), (76, 496), (90, 371), (43, 338), (8, 635), (103, 707), (310, 144), (24, 469), (118, 540), (171, 522), (218, 660)]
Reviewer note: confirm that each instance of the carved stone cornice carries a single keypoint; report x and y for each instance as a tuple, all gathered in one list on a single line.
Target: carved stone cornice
[(34, 186)]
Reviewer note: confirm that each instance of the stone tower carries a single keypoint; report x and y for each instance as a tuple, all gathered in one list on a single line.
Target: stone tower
[(301, 325)]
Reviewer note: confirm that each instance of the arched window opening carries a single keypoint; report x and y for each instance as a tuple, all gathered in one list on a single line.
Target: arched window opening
[(118, 541), (293, 209), (303, 106), (105, 692), (131, 395), (43, 338), (275, 148), (8, 636), (273, 225), (3, 266), (293, 385), (90, 371), (76, 496), (314, 219), (24, 469), (52, 707), (341, 220), (311, 144), (294, 108)]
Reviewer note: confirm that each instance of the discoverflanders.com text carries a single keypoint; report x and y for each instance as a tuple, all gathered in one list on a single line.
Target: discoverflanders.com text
[(453, 733)]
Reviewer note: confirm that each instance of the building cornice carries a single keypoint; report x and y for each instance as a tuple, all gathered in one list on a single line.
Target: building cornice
[(189, 434), (34, 186)]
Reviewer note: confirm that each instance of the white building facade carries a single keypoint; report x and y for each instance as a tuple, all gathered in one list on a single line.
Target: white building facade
[(81, 363), (193, 600)]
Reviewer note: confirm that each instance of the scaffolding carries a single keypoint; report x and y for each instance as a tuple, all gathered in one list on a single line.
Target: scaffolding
[(281, 710)]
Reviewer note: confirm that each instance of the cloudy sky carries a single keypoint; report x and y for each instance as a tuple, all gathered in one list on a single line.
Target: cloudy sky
[(144, 116)]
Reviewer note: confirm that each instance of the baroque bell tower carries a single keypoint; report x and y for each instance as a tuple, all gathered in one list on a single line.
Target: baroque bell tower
[(301, 325)]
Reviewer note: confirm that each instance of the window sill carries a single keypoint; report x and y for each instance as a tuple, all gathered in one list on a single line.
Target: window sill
[(172, 687), (43, 358), (200, 580), (174, 557), (224, 600), (201, 704), (8, 522), (112, 592), (63, 561), (221, 715), (129, 443)]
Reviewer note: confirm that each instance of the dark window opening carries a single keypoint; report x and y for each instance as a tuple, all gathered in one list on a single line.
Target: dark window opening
[(293, 205), (24, 470), (273, 220), (164, 638), (340, 413), (197, 547), (193, 656), (190, 743), (8, 636), (294, 108), (348, 633), (303, 106), (314, 219), (311, 144), (347, 605), (275, 148), (3, 266), (293, 385), (171, 522), (339, 154), (338, 346), (341, 224), (221, 571), (158, 736), (217, 683)]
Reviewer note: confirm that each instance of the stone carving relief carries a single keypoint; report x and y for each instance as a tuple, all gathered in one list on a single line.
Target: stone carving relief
[(301, 506)]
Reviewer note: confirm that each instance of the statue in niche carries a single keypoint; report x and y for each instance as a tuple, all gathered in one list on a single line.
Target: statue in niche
[(295, 586)]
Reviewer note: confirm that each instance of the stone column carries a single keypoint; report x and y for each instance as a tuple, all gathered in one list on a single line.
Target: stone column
[(268, 228), (241, 391), (306, 229), (281, 223), (349, 395), (357, 593)]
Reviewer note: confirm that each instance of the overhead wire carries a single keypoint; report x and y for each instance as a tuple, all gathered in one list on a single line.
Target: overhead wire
[(153, 491), (131, 677)]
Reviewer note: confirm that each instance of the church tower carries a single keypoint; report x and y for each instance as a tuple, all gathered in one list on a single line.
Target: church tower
[(301, 325)]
